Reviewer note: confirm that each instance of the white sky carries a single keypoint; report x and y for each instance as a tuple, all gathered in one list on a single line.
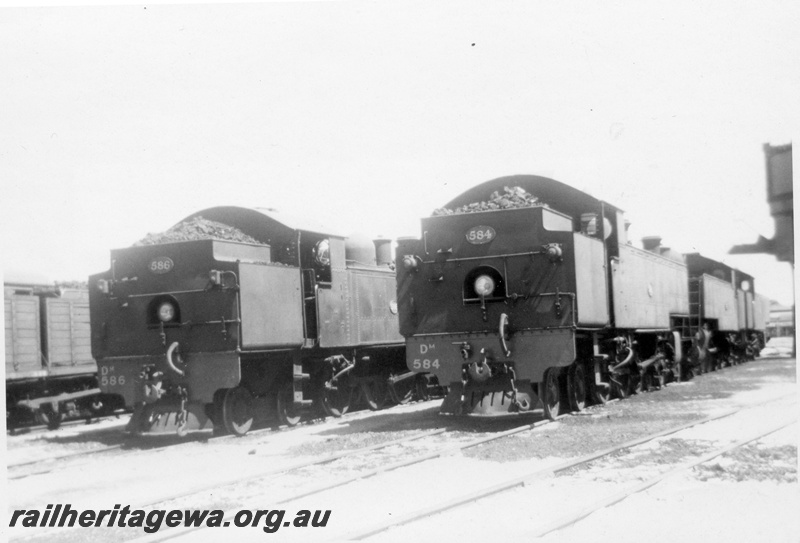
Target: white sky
[(118, 121)]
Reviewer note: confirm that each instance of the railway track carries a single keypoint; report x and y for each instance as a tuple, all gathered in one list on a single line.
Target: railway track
[(129, 446), (295, 466), (38, 429), (256, 438), (607, 501), (171, 534), (450, 450), (445, 451), (571, 518), (347, 455)]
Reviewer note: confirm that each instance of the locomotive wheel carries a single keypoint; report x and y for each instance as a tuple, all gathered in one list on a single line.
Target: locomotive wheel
[(374, 392), (621, 386), (287, 414), (551, 393), (401, 392), (423, 394), (237, 411), (576, 387), (335, 396), (645, 383), (215, 411), (600, 393)]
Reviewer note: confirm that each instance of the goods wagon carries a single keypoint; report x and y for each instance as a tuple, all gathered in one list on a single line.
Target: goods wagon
[(50, 372)]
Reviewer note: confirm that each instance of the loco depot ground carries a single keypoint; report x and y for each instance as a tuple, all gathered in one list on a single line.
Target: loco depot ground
[(748, 495)]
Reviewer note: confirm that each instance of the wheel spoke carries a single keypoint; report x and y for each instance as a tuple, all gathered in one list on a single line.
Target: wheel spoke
[(51, 415), (336, 397), (375, 391), (621, 386), (402, 391)]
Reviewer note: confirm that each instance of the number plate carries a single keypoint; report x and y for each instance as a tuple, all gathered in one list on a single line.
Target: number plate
[(162, 264), (478, 235)]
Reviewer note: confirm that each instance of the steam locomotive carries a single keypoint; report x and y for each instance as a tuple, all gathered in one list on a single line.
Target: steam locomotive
[(547, 303), (214, 333)]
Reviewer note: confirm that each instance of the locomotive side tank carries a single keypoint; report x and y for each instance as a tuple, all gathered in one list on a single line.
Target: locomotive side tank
[(216, 332), (540, 303)]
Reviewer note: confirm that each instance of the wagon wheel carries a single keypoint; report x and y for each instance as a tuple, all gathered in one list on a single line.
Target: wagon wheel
[(51, 415), (97, 407), (287, 413), (551, 393), (576, 387), (237, 410), (374, 391), (336, 395), (402, 391)]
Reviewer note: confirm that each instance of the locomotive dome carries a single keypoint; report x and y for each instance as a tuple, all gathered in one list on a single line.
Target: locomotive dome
[(359, 248)]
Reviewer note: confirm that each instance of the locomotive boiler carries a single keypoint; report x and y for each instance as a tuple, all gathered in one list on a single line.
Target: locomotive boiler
[(226, 333), (524, 291)]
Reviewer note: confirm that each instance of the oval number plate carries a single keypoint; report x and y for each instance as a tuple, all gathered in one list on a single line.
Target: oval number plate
[(478, 235), (162, 264)]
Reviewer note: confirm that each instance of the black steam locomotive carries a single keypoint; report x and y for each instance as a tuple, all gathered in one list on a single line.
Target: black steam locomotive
[(525, 291), (211, 332)]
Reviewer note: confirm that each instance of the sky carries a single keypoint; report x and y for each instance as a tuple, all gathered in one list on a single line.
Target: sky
[(117, 121)]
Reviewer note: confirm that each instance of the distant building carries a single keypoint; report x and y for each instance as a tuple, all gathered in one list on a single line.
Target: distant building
[(781, 321)]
